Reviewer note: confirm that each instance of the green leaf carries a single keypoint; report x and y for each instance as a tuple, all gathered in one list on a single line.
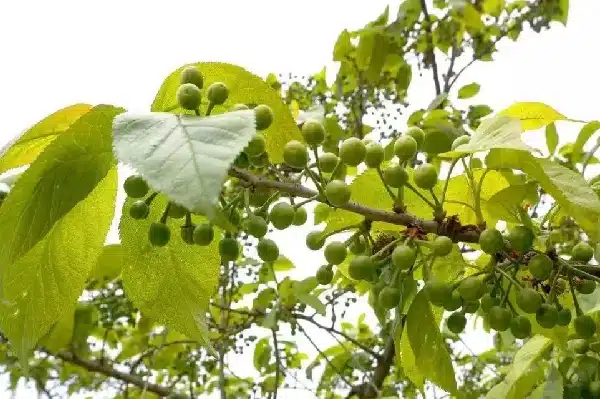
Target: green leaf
[(61, 332), (533, 115), (526, 358), (322, 212), (109, 264), (505, 203), (171, 284), (185, 157), (26, 147), (283, 264), (262, 354), (584, 135), (449, 267), (493, 7), (44, 283), (552, 388), (568, 188), (563, 12), (377, 59), (472, 17), (437, 102), (468, 91), (428, 345), (245, 88), (551, 138), (270, 320), (496, 132), (63, 175), (313, 301), (343, 46)]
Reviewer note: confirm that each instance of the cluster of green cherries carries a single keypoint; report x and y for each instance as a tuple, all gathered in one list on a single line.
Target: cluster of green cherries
[(489, 290)]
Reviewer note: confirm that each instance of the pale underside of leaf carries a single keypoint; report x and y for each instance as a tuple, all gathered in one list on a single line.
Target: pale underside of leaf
[(185, 157)]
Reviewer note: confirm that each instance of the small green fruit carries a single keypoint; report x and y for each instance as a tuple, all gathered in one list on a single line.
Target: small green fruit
[(191, 74), (438, 292), (139, 210), (499, 318), (403, 257), (159, 234), (540, 266), (335, 253), (582, 252), (313, 133), (520, 327), (352, 151), (328, 161), (256, 226), (374, 155), (405, 148), (314, 240), (416, 133), (282, 215), (267, 250), (442, 246), (217, 93), (300, 216), (585, 326), (389, 297), (464, 139), (456, 322), (241, 161), (176, 211), (471, 288), (135, 187), (580, 346), (547, 316), (491, 241), (528, 300), (229, 249), (264, 116), (395, 176), (256, 146), (189, 96), (204, 234), (470, 306), (361, 268), (454, 302), (295, 154), (337, 193), (488, 301), (260, 161), (426, 176), (586, 287), (324, 275), (187, 234), (564, 317), (520, 238), (358, 245)]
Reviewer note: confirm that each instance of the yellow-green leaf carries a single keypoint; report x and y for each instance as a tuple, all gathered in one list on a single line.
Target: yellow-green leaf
[(584, 135), (568, 188), (26, 147), (109, 264), (244, 87), (468, 91), (533, 115), (45, 282), (171, 284)]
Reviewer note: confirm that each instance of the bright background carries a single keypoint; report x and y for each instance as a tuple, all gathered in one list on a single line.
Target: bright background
[(56, 53)]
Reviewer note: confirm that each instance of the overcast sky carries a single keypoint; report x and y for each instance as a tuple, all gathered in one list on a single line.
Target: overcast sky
[(59, 52)]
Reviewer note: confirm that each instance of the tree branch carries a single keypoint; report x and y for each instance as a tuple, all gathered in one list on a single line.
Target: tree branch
[(97, 367), (431, 53), (456, 232)]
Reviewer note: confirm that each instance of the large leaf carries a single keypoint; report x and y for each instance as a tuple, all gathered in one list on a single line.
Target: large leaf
[(505, 203), (45, 283), (533, 115), (171, 284), (245, 88), (428, 345), (109, 264), (496, 132), (526, 358), (27, 146), (584, 135), (62, 176), (185, 157), (569, 188), (552, 388)]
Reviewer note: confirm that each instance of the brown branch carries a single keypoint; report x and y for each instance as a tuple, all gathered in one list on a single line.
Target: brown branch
[(457, 233), (427, 25), (97, 367)]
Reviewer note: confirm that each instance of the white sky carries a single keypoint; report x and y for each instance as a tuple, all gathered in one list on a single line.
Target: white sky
[(59, 52)]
